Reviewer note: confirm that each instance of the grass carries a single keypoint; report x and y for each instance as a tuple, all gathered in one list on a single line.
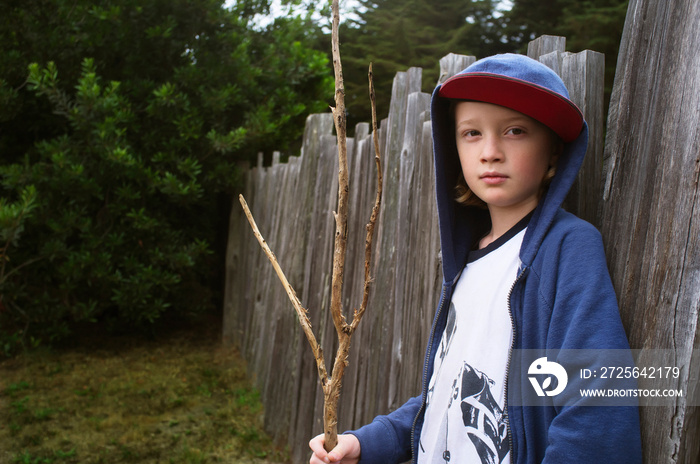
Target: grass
[(182, 399)]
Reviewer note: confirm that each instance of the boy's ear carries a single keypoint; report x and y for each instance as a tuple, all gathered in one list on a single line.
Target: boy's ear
[(557, 150)]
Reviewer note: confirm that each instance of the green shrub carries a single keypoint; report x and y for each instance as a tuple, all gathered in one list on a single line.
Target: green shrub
[(121, 150)]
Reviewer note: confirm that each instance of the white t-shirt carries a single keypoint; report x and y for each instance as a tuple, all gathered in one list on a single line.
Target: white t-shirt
[(465, 421)]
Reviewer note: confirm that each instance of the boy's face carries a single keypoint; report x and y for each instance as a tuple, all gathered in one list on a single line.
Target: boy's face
[(504, 155)]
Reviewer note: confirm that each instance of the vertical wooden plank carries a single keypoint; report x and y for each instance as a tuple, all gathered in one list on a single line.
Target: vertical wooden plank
[(362, 192), (545, 44), (651, 224), (303, 392), (379, 361), (366, 331), (316, 295), (434, 277), (553, 61), (407, 243), (452, 64), (427, 283), (327, 201), (255, 351), (583, 74), (268, 314), (236, 258)]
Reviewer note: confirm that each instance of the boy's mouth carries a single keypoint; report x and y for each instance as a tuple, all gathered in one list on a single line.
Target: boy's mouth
[(493, 178)]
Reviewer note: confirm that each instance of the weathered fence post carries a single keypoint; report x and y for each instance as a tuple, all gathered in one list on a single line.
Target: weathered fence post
[(545, 45), (651, 214)]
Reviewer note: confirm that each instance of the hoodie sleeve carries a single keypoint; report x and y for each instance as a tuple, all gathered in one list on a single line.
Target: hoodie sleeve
[(387, 439), (585, 315)]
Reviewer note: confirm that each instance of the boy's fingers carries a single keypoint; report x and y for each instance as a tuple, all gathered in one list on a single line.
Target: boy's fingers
[(316, 445), (315, 460), (340, 451), (347, 446)]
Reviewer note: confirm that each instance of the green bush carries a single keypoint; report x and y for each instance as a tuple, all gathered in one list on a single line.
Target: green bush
[(120, 152)]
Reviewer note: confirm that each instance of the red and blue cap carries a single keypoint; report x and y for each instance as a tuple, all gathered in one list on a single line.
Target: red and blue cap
[(521, 84)]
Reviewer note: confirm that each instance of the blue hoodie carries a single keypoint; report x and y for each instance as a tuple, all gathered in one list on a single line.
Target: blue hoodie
[(562, 299)]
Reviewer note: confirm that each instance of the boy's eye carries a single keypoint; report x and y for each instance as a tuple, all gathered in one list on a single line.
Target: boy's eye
[(516, 131), (471, 133)]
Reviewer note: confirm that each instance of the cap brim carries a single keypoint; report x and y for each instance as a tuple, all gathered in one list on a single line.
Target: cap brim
[(551, 109)]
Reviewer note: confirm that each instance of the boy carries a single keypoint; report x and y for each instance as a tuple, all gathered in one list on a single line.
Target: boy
[(519, 274)]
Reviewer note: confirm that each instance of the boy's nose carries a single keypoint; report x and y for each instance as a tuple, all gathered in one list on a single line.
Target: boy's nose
[(492, 150)]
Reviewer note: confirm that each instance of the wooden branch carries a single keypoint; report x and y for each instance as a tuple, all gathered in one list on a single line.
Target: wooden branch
[(341, 217), (331, 386), (300, 310), (331, 392), (377, 203)]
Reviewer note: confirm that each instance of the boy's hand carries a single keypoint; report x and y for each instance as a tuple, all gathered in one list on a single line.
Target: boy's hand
[(347, 451)]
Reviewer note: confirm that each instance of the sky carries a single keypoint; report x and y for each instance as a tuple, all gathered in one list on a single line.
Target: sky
[(276, 9), (347, 7)]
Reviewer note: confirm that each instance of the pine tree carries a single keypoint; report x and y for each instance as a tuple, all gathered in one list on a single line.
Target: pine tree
[(590, 24), (395, 35)]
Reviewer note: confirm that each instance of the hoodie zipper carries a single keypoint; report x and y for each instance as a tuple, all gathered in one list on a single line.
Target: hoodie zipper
[(510, 356), (425, 376)]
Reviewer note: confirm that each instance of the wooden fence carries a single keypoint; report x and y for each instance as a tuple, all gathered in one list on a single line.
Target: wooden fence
[(293, 204), (652, 193)]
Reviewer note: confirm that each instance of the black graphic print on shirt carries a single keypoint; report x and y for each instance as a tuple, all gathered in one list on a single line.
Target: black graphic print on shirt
[(483, 418), (444, 346)]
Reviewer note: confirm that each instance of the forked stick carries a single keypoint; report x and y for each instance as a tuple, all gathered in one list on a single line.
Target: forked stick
[(301, 311), (331, 386)]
